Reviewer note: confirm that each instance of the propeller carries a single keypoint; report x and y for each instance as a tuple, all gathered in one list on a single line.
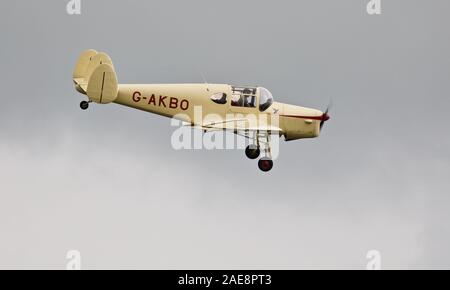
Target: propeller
[(325, 116)]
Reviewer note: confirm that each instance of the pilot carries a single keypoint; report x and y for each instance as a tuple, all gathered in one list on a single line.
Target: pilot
[(237, 100), (246, 94)]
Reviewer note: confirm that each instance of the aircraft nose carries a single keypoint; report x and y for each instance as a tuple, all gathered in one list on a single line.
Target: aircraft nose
[(325, 117)]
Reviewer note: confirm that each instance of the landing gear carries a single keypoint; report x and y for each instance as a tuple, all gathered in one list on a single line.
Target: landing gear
[(262, 144), (84, 105), (252, 151), (265, 164)]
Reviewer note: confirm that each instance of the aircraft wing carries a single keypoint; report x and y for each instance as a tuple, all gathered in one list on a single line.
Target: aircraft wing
[(235, 125)]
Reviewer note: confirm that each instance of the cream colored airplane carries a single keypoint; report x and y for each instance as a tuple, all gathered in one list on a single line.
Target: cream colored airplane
[(254, 114)]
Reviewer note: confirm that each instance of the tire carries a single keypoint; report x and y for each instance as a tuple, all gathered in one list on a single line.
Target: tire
[(252, 152), (84, 105), (265, 164)]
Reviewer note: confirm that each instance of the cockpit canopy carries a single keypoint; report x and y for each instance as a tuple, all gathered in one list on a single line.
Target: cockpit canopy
[(265, 99), (246, 97)]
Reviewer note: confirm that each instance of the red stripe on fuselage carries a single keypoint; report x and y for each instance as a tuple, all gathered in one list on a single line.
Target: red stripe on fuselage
[(319, 118)]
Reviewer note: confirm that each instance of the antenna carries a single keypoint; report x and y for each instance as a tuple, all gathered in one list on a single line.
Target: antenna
[(204, 80)]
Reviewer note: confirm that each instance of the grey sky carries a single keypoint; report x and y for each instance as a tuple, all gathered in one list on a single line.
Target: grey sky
[(108, 183)]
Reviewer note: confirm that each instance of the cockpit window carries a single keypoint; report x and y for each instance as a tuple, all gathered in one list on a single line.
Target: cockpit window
[(265, 99), (237, 101), (243, 97), (219, 98)]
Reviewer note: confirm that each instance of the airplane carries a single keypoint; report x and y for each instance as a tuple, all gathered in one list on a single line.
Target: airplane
[(95, 77)]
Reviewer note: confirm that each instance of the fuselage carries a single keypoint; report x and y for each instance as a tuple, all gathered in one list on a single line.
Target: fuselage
[(224, 102)]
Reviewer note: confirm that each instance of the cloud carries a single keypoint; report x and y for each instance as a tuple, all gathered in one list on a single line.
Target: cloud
[(107, 182)]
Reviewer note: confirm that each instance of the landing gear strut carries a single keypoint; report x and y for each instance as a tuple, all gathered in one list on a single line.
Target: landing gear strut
[(254, 150), (84, 105)]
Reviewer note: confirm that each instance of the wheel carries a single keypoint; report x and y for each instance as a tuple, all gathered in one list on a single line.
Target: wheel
[(265, 164), (252, 151), (84, 105)]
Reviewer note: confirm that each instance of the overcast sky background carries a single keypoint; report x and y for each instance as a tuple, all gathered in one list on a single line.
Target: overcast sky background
[(107, 182)]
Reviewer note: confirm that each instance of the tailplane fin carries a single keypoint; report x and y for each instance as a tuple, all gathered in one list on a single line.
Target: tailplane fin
[(102, 85), (94, 76)]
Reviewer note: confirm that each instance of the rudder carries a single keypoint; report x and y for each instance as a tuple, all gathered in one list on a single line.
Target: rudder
[(102, 85), (94, 75)]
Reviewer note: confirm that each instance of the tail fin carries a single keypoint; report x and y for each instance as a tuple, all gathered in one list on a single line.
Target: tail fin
[(80, 76), (94, 75), (102, 86), (82, 63)]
